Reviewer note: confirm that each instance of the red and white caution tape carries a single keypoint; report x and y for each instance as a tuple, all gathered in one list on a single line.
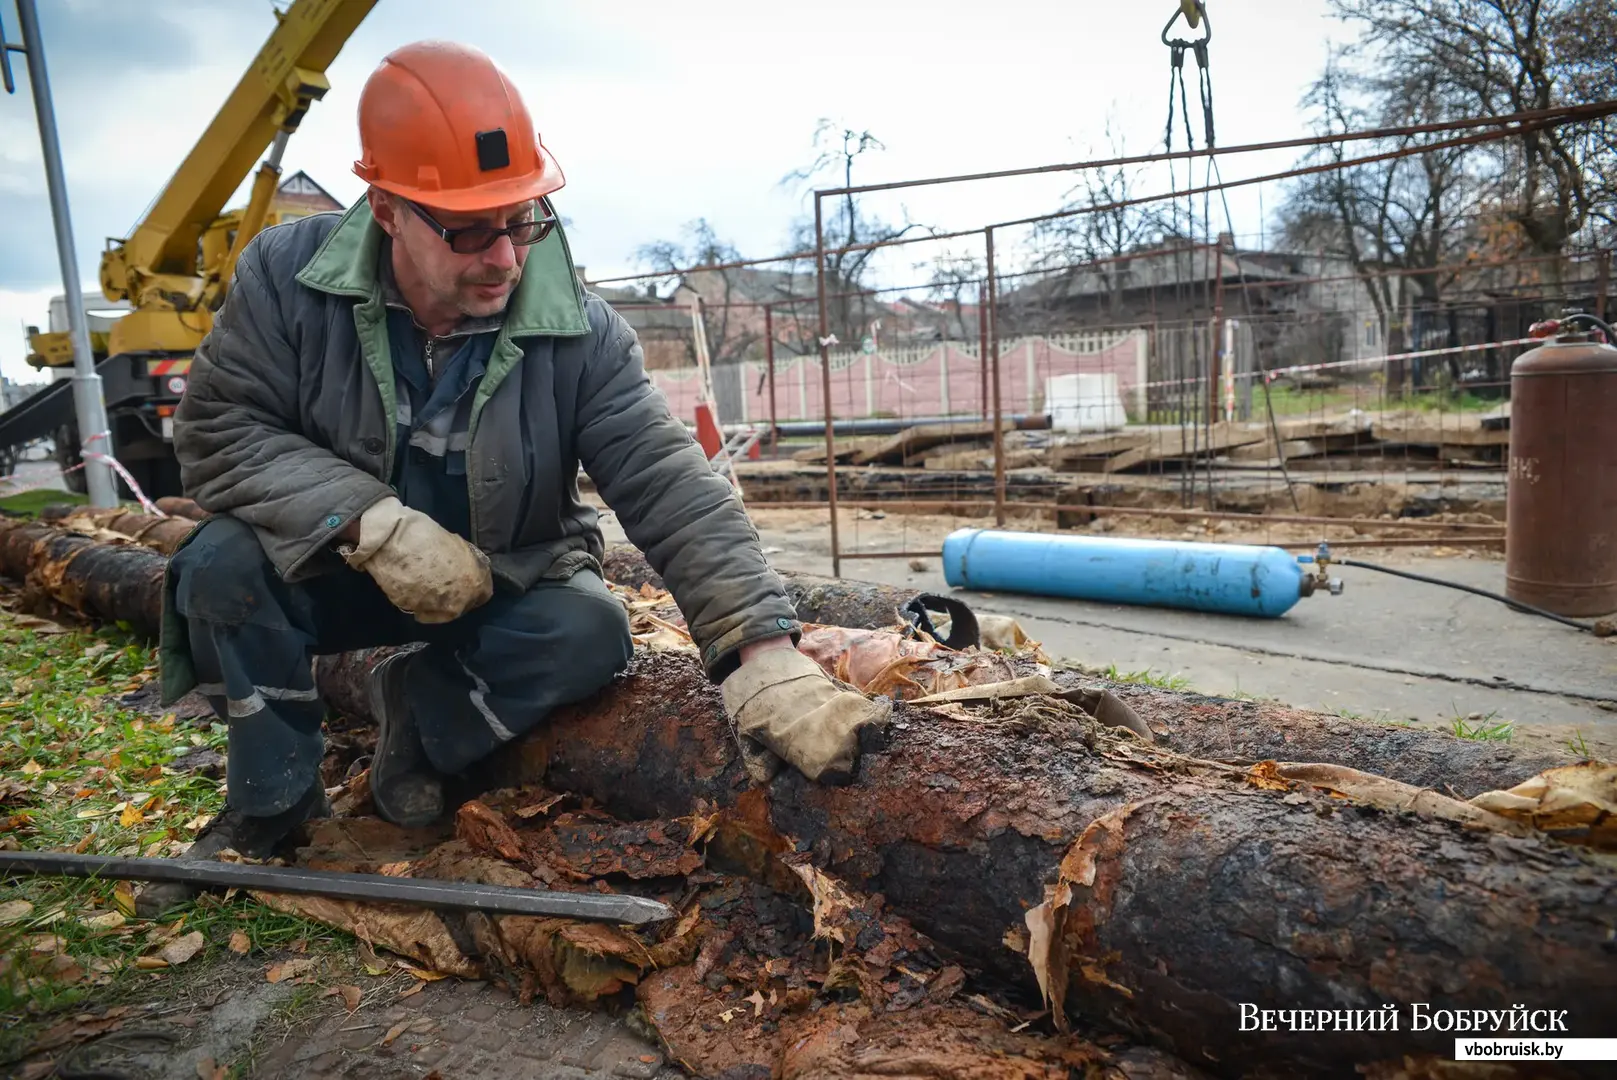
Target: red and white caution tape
[(1366, 361), (140, 496), (117, 467)]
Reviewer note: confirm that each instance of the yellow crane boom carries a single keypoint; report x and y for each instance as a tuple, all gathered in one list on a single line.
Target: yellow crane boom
[(156, 268)]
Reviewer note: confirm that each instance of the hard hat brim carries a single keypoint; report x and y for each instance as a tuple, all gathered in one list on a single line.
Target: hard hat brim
[(539, 182)]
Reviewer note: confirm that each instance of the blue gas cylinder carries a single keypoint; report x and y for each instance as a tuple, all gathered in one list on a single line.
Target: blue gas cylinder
[(1232, 579)]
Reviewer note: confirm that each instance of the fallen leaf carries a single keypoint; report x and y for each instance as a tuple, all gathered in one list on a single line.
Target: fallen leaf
[(351, 996), (240, 943), (415, 988), (757, 1003), (368, 958), (207, 1070), (107, 920), (728, 1015), (394, 869), (131, 816), (538, 808), (13, 911), (422, 973), (420, 1023), (150, 963), (182, 949), (123, 898), (46, 943), (286, 969), (33, 768)]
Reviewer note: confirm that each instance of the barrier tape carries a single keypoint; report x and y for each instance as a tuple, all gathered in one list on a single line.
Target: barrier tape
[(146, 504), (1273, 373)]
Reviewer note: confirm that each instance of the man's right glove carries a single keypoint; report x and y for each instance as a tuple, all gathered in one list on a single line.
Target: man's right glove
[(425, 570), (783, 703)]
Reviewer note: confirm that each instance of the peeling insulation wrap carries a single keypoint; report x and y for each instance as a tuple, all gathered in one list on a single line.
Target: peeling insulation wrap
[(1172, 891)]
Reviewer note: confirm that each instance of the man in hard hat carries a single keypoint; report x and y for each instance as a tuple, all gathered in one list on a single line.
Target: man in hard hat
[(387, 422)]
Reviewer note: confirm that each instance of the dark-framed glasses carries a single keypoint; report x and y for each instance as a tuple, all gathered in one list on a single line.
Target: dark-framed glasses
[(475, 238)]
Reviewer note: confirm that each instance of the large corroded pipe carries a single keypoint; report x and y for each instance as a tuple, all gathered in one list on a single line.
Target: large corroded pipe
[(1191, 892)]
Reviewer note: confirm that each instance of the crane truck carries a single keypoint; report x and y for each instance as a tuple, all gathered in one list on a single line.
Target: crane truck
[(171, 273)]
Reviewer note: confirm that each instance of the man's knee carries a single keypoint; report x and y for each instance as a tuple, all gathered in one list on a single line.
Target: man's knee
[(596, 630), (221, 574), (584, 630)]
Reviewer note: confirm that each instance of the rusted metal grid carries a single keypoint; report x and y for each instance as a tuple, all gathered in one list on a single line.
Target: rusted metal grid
[(1203, 386), (1495, 128)]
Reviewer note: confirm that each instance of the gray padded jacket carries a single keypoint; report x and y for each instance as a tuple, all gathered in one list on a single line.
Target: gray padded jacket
[(288, 424)]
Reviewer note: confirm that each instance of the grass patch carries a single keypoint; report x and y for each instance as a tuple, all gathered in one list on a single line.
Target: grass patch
[(30, 503), (1146, 677), (1577, 745), (1483, 728), (79, 772)]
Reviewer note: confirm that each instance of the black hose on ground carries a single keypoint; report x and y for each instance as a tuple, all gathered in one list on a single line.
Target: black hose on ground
[(1507, 601)]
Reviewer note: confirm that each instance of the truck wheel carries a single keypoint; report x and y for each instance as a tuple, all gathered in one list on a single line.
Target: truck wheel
[(8, 460), (67, 456)]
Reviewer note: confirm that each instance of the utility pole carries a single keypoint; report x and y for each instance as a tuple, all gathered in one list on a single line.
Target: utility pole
[(87, 397)]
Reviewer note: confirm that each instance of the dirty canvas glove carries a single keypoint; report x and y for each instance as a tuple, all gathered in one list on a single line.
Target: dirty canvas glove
[(783, 703), (425, 570)]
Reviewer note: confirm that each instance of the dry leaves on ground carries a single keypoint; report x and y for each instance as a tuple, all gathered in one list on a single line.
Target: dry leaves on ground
[(182, 949), (288, 969)]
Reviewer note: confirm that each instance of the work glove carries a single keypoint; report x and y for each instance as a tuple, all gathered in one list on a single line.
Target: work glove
[(782, 705), (425, 570)]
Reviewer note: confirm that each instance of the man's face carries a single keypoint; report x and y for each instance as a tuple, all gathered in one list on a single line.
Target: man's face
[(478, 284)]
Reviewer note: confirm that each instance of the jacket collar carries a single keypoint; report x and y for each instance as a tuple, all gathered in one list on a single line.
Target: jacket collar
[(547, 301)]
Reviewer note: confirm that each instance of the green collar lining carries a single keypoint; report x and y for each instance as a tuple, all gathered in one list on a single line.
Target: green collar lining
[(547, 302)]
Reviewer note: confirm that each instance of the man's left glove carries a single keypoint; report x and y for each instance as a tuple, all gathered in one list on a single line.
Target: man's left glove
[(781, 704), (425, 570)]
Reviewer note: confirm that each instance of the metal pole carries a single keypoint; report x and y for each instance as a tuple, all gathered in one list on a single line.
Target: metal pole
[(982, 347), (825, 385), (87, 400), (769, 357), (1215, 357), (1602, 284), (993, 351)]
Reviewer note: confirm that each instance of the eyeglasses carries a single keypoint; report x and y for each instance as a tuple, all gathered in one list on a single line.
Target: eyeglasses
[(474, 238)]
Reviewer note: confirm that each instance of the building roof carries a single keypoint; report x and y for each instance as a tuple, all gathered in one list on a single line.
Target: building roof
[(300, 192), (1163, 268)]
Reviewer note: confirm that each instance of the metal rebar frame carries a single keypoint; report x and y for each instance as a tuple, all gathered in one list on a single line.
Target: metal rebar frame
[(1494, 129), (1528, 120)]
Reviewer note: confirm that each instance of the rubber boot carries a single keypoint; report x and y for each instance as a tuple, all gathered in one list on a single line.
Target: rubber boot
[(404, 786), (253, 837)]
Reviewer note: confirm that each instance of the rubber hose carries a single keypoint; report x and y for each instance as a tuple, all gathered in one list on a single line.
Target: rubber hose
[(1507, 601)]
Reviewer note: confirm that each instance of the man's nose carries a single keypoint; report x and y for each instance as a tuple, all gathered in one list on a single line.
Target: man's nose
[(503, 255)]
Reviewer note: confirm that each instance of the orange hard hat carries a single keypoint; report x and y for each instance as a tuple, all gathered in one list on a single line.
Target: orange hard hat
[(441, 124)]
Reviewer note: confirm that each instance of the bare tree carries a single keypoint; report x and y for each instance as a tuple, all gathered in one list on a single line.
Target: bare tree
[(1412, 213), (1089, 248), (1485, 57), (954, 277), (850, 306), (731, 332)]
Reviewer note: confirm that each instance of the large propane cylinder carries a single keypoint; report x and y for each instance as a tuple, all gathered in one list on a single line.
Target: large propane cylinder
[(1232, 579), (1561, 506)]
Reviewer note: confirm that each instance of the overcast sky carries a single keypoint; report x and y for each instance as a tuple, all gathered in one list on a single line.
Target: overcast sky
[(660, 113)]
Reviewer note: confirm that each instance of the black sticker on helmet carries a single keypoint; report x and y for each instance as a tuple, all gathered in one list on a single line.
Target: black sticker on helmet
[(492, 151)]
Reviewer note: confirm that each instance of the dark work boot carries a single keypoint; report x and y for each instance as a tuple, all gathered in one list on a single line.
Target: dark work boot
[(404, 786), (252, 837)]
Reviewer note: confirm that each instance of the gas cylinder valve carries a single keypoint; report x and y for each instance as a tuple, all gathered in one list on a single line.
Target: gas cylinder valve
[(1321, 578)]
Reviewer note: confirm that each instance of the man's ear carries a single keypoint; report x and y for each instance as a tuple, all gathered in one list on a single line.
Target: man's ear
[(385, 210)]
